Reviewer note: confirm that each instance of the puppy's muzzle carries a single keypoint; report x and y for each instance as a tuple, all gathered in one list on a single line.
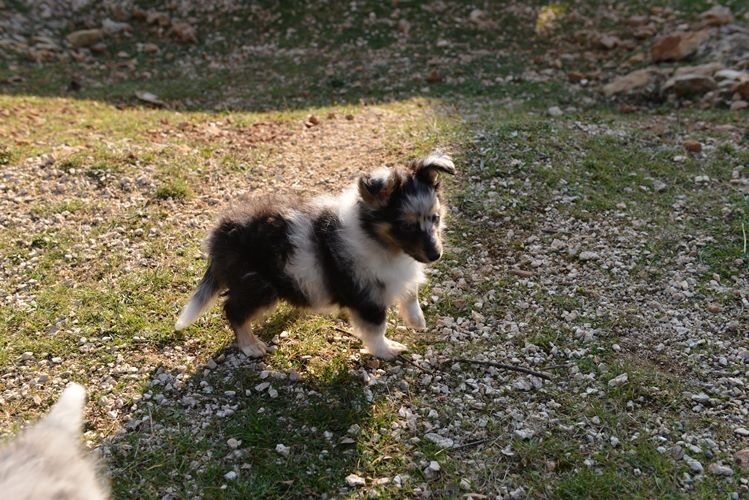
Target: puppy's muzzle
[(433, 254)]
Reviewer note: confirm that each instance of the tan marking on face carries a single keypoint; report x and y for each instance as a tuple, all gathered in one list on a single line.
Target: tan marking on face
[(384, 231), (411, 218)]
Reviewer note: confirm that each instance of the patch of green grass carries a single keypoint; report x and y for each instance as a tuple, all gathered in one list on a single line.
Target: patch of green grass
[(728, 254), (176, 189), (547, 338)]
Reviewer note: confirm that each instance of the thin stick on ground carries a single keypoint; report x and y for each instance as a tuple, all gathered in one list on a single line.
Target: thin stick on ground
[(343, 330), (412, 363), (743, 232)]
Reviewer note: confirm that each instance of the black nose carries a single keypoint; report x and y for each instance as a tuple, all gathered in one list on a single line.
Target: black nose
[(433, 254)]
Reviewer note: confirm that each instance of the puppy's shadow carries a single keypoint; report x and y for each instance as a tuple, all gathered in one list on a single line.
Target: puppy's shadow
[(281, 320), (282, 426)]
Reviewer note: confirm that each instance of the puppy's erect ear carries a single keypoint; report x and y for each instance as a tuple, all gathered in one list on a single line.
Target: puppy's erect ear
[(427, 169), (376, 189)]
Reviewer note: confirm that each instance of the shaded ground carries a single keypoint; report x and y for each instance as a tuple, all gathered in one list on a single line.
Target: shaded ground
[(588, 245)]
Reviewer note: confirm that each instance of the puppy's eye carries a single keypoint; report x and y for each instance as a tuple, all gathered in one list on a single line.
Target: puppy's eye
[(436, 218)]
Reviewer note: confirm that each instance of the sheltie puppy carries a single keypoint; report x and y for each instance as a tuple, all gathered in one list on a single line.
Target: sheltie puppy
[(361, 252)]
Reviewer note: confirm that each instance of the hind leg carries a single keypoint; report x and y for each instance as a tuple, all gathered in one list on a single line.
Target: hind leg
[(250, 300), (247, 342)]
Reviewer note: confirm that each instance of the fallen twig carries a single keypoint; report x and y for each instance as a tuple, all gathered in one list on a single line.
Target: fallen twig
[(412, 363), (343, 331), (500, 366), (558, 367), (522, 273)]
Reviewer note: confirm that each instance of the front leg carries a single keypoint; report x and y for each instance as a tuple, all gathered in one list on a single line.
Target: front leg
[(370, 326), (410, 311)]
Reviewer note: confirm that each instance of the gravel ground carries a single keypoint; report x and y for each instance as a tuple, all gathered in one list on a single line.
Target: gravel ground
[(587, 246)]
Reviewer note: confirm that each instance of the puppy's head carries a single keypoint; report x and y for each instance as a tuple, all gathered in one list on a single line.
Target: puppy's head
[(402, 208)]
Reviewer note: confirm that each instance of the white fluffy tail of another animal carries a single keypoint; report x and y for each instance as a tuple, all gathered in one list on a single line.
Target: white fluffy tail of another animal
[(47, 461), (67, 413)]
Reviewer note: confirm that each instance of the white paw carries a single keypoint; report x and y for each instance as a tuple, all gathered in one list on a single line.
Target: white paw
[(416, 322), (384, 348), (256, 349), (412, 315)]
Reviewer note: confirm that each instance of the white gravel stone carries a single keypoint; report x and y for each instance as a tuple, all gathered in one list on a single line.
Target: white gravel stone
[(517, 493), (693, 464), (441, 441), (432, 470), (283, 450), (587, 255), (701, 398), (619, 380), (354, 480), (522, 384), (525, 433), (720, 470)]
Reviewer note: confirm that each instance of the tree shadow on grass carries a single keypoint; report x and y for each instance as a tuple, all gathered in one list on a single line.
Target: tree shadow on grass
[(311, 54), (280, 435)]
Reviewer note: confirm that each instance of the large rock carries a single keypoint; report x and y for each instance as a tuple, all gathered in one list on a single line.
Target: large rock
[(716, 16), (85, 38), (690, 84), (631, 81), (678, 45)]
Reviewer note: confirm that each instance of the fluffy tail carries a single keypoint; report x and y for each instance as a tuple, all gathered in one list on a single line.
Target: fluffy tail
[(206, 293), (67, 413)]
